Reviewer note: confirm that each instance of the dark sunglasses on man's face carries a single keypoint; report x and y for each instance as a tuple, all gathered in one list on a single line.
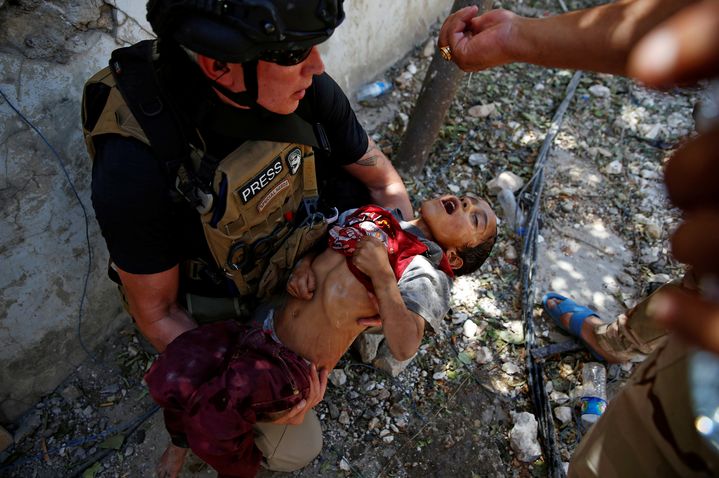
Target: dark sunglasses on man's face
[(285, 57)]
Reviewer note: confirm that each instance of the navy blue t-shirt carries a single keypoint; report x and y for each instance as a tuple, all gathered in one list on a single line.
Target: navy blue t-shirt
[(147, 231)]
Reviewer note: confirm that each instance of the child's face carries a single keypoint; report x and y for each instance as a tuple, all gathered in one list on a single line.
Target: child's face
[(459, 222)]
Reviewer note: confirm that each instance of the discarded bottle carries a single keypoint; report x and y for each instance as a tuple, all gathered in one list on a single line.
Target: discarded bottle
[(510, 212), (594, 392), (373, 90)]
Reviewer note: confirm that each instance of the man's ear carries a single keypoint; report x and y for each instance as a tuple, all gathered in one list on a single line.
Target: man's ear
[(455, 262), (214, 69)]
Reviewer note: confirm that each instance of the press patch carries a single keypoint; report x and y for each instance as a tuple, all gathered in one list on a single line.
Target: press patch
[(294, 159), (254, 186), (272, 194)]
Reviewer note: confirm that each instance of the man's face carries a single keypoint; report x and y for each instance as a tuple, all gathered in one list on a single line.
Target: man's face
[(459, 222), (280, 88)]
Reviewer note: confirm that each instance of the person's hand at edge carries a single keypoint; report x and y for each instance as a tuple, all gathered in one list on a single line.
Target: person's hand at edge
[(683, 49), (318, 386)]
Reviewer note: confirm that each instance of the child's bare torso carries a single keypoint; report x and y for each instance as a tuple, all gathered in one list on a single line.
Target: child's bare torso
[(323, 328)]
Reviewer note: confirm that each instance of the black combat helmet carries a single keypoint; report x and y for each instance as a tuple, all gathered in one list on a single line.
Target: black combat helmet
[(241, 31)]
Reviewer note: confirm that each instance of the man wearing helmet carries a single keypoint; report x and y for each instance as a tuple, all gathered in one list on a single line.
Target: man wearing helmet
[(205, 144)]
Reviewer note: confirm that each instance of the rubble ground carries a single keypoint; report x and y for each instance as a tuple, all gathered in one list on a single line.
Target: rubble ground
[(604, 239)]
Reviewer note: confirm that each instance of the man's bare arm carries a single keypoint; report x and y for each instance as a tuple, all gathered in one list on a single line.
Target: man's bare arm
[(598, 38), (385, 184), (402, 328), (153, 305)]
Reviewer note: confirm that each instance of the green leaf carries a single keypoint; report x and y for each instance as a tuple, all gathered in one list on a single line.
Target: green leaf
[(464, 358), (92, 471), (114, 442)]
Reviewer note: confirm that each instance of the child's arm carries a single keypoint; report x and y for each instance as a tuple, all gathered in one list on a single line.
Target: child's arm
[(402, 328)]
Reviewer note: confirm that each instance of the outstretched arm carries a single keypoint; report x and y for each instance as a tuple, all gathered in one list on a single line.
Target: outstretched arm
[(402, 328), (598, 38), (382, 180)]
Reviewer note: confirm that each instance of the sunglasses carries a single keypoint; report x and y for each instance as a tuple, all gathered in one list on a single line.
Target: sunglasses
[(285, 57)]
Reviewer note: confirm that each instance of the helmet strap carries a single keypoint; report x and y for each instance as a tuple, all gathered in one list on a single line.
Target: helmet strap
[(249, 96)]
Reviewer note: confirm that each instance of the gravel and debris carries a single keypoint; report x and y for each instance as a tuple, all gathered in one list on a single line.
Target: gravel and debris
[(461, 408)]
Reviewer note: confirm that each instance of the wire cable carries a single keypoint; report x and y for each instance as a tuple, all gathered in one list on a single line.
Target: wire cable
[(84, 214)]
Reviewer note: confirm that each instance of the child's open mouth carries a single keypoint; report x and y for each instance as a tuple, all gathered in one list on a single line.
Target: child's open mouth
[(449, 205)]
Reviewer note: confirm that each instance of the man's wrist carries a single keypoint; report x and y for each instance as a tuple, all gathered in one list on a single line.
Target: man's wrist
[(517, 46)]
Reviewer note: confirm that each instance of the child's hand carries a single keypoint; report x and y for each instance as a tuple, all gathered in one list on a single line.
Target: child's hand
[(302, 281), (371, 257)]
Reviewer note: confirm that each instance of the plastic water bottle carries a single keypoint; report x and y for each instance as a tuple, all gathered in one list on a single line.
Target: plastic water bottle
[(510, 212), (594, 392), (373, 90)]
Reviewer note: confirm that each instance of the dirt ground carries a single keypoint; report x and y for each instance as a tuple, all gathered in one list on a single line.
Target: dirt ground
[(604, 233)]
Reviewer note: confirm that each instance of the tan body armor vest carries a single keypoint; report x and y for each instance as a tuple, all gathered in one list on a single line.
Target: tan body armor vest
[(258, 188)]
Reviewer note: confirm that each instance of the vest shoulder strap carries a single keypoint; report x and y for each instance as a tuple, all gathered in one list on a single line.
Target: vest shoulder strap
[(133, 71)]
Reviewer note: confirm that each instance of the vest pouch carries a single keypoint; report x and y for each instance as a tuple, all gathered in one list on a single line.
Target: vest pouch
[(261, 184), (297, 244)]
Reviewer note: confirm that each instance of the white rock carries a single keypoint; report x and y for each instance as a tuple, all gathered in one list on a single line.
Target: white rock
[(388, 439), (429, 48), (478, 159), (615, 167), (649, 174), (338, 377), (459, 318), (469, 329), (510, 253), (344, 418), (454, 188), (523, 437), (559, 397), (549, 386), (600, 90), (505, 180), (482, 111), (439, 375), (384, 433), (411, 68), (374, 423), (651, 131), (563, 414), (483, 355), (345, 464), (539, 87), (510, 368), (653, 230)]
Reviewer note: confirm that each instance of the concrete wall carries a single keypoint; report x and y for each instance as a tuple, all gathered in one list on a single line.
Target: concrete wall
[(47, 50)]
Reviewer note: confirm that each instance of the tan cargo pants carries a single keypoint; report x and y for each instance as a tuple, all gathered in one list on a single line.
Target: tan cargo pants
[(634, 335), (648, 428)]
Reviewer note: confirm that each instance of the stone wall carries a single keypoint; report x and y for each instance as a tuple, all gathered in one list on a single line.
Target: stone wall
[(47, 50)]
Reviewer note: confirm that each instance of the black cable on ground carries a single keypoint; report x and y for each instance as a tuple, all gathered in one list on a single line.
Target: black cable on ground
[(535, 368), (132, 425)]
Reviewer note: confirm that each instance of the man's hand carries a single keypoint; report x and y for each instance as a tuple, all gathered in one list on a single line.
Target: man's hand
[(371, 258), (318, 386), (302, 281), (480, 42)]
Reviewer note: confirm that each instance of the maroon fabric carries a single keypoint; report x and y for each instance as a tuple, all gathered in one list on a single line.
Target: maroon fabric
[(214, 382), (377, 222)]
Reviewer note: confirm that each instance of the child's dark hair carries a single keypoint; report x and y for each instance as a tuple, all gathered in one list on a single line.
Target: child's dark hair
[(474, 257)]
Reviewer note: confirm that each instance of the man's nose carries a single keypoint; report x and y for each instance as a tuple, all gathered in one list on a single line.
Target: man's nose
[(314, 64)]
